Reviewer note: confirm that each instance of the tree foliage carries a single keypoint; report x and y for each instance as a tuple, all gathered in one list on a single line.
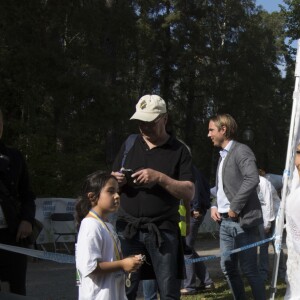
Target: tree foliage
[(71, 73)]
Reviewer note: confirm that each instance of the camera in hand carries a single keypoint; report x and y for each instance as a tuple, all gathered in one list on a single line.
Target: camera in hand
[(128, 173), (143, 258)]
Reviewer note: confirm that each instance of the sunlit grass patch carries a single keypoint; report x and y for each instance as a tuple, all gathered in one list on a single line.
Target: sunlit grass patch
[(222, 291)]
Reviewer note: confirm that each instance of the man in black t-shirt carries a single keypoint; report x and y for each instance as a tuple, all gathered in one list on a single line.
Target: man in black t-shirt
[(148, 216)]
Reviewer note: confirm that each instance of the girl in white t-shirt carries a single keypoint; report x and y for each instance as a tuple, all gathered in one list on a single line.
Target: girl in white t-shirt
[(100, 266)]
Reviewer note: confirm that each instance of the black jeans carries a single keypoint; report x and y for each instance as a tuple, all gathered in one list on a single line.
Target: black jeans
[(13, 266), (164, 261)]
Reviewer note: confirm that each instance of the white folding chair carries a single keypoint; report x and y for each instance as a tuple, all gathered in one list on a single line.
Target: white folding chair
[(64, 229)]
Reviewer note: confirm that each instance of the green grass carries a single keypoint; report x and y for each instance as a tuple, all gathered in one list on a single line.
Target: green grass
[(221, 291)]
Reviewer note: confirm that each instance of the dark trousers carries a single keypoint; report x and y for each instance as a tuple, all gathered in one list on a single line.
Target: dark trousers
[(13, 266), (264, 255), (196, 269), (164, 261)]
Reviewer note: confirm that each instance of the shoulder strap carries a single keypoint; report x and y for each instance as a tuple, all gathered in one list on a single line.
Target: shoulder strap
[(128, 145)]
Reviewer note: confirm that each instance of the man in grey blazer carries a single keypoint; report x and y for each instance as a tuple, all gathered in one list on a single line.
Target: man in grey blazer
[(237, 207)]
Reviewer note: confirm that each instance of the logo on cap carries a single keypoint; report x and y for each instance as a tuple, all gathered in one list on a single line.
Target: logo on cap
[(143, 104)]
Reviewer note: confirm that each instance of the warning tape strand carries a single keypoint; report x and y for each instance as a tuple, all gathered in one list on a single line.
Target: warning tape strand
[(70, 259)]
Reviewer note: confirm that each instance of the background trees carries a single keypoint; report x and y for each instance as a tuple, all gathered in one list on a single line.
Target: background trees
[(71, 73)]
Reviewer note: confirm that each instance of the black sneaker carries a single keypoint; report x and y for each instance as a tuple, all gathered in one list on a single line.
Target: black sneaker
[(206, 287)]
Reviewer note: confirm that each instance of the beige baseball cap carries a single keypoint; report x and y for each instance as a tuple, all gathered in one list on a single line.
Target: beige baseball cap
[(149, 108)]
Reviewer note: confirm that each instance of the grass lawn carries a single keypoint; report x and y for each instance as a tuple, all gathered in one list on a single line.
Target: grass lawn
[(221, 291)]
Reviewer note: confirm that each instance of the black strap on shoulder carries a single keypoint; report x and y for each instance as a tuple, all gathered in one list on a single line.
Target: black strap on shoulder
[(128, 145)]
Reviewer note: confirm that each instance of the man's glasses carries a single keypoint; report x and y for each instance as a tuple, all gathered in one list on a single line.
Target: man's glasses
[(152, 123)]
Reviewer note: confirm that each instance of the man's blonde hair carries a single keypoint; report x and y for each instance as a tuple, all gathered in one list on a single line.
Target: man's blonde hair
[(228, 121)]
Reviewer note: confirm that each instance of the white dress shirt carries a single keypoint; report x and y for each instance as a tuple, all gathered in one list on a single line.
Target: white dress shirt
[(264, 192), (223, 202)]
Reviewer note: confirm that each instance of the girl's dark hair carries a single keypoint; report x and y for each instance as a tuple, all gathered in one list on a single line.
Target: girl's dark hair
[(93, 183)]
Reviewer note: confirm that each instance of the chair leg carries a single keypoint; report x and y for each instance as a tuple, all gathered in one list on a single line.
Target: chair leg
[(67, 248), (55, 241), (65, 245), (43, 247)]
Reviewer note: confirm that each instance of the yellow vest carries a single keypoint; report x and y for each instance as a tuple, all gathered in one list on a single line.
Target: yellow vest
[(182, 223)]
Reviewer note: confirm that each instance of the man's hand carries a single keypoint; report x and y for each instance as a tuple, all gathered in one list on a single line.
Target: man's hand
[(146, 176), (215, 214), (179, 189), (24, 230), (196, 214), (120, 178), (232, 214)]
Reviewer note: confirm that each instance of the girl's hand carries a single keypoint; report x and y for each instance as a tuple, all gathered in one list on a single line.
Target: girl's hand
[(132, 263)]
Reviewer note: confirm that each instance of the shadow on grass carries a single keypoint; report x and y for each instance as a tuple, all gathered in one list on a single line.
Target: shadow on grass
[(221, 291)]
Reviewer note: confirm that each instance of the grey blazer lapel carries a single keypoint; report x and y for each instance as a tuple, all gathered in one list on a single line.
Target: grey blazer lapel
[(217, 181), (229, 154)]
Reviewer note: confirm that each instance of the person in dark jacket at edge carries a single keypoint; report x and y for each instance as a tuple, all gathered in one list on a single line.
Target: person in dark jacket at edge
[(17, 211)]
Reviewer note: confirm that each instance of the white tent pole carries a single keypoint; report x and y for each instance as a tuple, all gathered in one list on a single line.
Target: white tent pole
[(289, 166)]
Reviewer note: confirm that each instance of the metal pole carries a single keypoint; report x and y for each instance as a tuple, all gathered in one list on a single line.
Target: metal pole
[(289, 167)]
